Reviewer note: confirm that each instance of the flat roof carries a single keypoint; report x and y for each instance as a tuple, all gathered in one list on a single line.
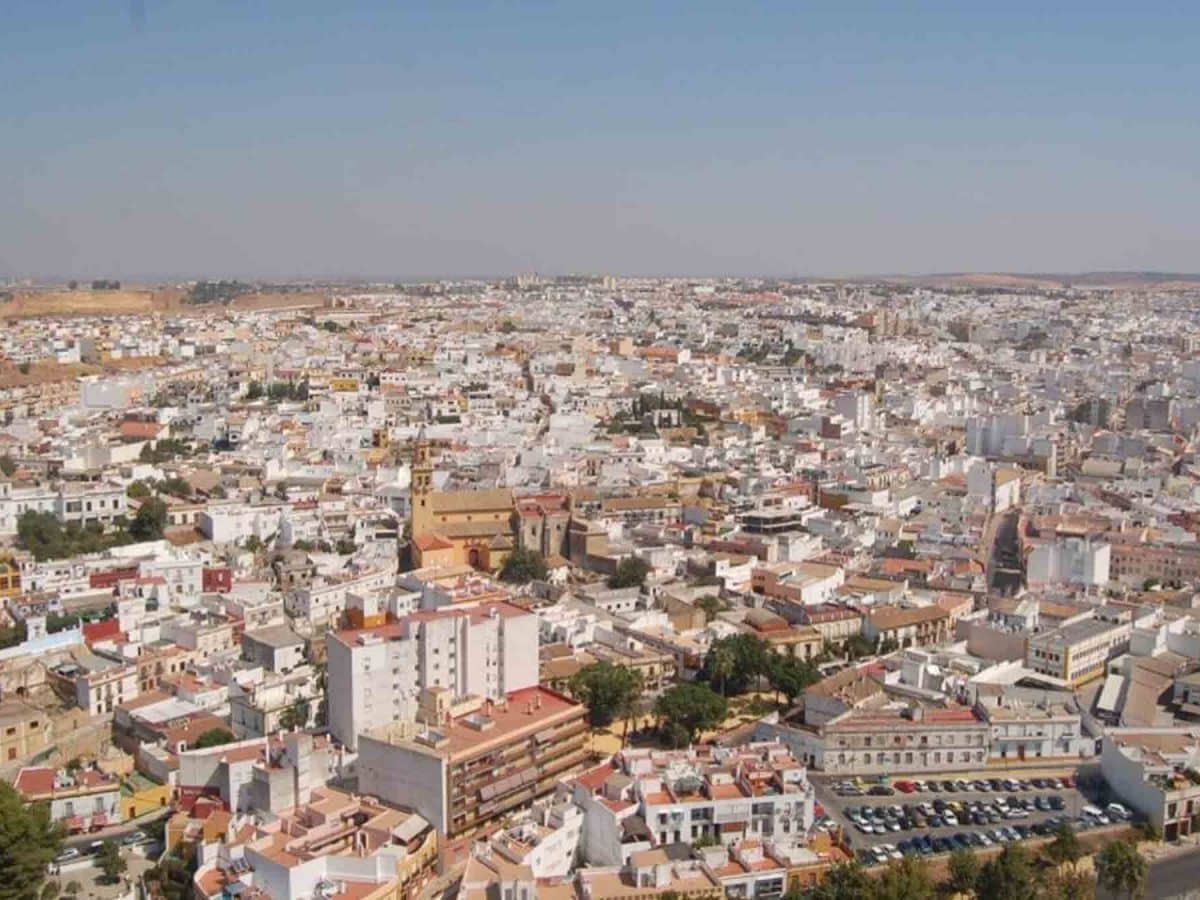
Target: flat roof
[(526, 711)]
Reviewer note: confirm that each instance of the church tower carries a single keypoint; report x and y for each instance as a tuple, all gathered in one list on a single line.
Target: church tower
[(422, 485)]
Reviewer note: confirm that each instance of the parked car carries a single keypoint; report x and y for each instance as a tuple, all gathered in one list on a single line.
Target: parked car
[(138, 837), (67, 855), (1118, 812)]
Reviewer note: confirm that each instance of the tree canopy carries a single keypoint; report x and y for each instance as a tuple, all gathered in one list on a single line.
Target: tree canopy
[(1122, 869), (631, 572), (214, 737), (734, 664), (607, 690), (43, 535), (522, 566), (149, 521), (29, 841), (112, 864), (963, 870), (905, 879), (689, 708), (1065, 847), (1008, 876), (791, 676)]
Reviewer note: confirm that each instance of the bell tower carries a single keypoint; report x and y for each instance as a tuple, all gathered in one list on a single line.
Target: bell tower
[(422, 485)]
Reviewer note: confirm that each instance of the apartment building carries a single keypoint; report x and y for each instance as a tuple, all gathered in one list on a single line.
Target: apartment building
[(24, 730), (333, 844), (1029, 730), (907, 626), (722, 794), (69, 501), (1134, 564), (1077, 652), (804, 583), (204, 635), (1077, 561), (476, 760), (102, 690), (891, 740), (375, 674), (1153, 773), (81, 801), (321, 603), (277, 701)]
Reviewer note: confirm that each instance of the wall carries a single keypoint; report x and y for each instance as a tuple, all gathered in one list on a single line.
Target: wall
[(404, 777)]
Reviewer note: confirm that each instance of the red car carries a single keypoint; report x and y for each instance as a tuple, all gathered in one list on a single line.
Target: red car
[(1067, 781), (906, 786)]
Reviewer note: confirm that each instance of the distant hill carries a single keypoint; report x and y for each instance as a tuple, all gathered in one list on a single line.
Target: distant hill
[(23, 304), (1034, 281)]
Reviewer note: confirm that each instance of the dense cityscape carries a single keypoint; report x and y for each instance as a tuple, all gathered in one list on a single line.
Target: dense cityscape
[(599, 588)]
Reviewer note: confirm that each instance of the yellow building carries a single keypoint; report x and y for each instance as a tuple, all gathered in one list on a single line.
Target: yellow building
[(10, 578), (474, 528)]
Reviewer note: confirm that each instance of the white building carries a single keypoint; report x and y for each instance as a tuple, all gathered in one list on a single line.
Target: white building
[(376, 674), (1077, 561)]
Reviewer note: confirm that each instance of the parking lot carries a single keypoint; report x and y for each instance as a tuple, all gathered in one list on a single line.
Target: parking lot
[(924, 817)]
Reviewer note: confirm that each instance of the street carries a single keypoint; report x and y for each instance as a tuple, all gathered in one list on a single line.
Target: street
[(1173, 876)]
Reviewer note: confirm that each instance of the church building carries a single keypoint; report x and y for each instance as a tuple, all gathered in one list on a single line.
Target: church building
[(474, 528)]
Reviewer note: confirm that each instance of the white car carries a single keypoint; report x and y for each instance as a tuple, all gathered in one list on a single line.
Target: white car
[(1118, 812), (891, 851), (949, 818)]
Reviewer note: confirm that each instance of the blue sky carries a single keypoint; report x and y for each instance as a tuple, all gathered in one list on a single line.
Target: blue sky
[(146, 139)]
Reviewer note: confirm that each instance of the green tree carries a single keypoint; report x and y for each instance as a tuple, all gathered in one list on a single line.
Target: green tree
[(149, 521), (720, 665), (7, 466), (607, 690), (137, 490), (175, 486), (295, 716), (711, 604), (1069, 884), (253, 543), (1008, 876), (857, 647), (254, 391), (845, 881), (964, 870), (1122, 869), (689, 708), (791, 676), (522, 566), (29, 841), (1065, 847), (631, 572), (214, 737), (905, 879), (734, 664), (111, 862), (345, 546)]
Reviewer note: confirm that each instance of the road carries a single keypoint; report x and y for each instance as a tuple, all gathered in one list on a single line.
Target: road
[(1003, 562), (1173, 876), (116, 832)]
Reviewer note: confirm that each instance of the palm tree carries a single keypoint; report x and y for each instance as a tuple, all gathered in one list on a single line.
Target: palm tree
[(1122, 870), (721, 662), (1065, 847)]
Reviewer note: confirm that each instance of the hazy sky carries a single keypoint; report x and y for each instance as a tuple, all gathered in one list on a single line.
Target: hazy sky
[(218, 138)]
